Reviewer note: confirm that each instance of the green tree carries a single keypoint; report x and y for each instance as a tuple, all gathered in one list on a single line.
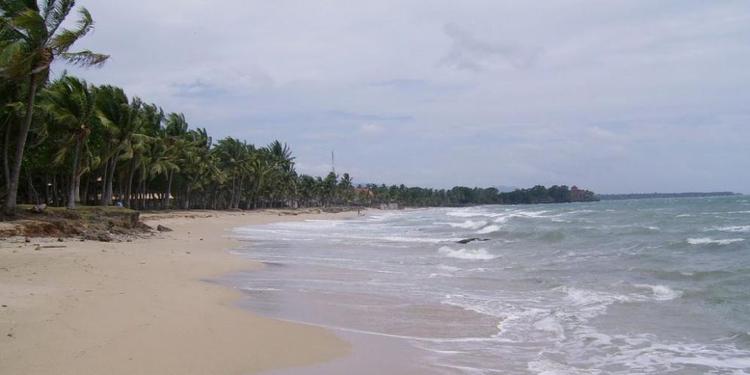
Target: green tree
[(120, 121), (71, 105), (31, 38)]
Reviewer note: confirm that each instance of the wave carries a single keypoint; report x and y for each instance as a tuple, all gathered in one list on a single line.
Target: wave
[(409, 239), (489, 229), (552, 325), (444, 267), (466, 213), (468, 224), (711, 241), (733, 229), (661, 292), (466, 254), (592, 302)]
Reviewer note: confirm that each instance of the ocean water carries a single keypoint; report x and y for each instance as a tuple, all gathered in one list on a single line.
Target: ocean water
[(656, 286)]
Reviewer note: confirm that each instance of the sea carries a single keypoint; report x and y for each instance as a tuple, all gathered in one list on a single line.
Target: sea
[(651, 286)]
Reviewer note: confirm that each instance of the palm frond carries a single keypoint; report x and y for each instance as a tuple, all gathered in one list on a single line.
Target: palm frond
[(85, 58)]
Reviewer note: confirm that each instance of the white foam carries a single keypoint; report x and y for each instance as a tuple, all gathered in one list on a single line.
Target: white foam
[(591, 303), (465, 213), (547, 367), (466, 254), (552, 325), (711, 241), (443, 267), (661, 292), (714, 362), (469, 224), (489, 229), (250, 289), (733, 229)]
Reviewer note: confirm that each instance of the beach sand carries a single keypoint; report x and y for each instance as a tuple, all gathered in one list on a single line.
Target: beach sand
[(144, 307)]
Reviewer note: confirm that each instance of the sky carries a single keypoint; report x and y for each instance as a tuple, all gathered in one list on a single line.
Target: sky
[(614, 96)]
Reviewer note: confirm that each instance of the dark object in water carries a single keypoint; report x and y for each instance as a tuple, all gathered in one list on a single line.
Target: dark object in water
[(162, 228), (468, 240)]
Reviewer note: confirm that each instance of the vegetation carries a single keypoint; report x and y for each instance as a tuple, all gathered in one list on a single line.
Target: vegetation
[(31, 39), (462, 196)]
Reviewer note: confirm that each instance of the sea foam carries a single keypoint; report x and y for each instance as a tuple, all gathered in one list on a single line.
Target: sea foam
[(661, 292), (733, 229), (489, 229), (711, 241), (469, 224), (466, 254)]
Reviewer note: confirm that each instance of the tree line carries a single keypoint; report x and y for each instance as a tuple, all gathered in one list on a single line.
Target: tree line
[(93, 145), (375, 195)]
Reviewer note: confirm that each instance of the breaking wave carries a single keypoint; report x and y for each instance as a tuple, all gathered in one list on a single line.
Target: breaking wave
[(466, 254), (711, 241), (469, 224), (733, 229)]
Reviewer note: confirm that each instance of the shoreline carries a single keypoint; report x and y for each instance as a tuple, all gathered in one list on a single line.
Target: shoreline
[(144, 306)]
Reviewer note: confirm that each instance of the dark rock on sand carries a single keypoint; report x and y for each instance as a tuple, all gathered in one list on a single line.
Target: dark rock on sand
[(162, 228)]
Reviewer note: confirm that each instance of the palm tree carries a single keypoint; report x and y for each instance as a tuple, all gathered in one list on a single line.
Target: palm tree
[(71, 104), (234, 158), (174, 139), (31, 38), (120, 119)]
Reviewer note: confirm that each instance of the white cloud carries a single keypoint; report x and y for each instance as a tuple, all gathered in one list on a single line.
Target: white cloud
[(371, 129)]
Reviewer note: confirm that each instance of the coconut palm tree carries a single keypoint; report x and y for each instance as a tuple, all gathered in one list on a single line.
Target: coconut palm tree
[(234, 159), (31, 38), (175, 141), (120, 120), (71, 105)]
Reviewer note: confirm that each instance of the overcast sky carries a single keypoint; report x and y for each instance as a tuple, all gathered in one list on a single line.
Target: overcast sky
[(616, 96)]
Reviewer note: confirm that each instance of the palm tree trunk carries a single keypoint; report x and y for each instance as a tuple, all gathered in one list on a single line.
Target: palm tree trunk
[(32, 194), (6, 165), (169, 189), (72, 190), (107, 196), (129, 187), (187, 198), (23, 132), (143, 193), (85, 193), (78, 187)]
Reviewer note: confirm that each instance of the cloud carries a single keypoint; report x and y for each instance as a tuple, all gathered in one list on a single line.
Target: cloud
[(470, 53), (372, 129)]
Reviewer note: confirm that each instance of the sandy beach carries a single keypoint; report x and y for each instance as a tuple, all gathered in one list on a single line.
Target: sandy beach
[(145, 307)]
